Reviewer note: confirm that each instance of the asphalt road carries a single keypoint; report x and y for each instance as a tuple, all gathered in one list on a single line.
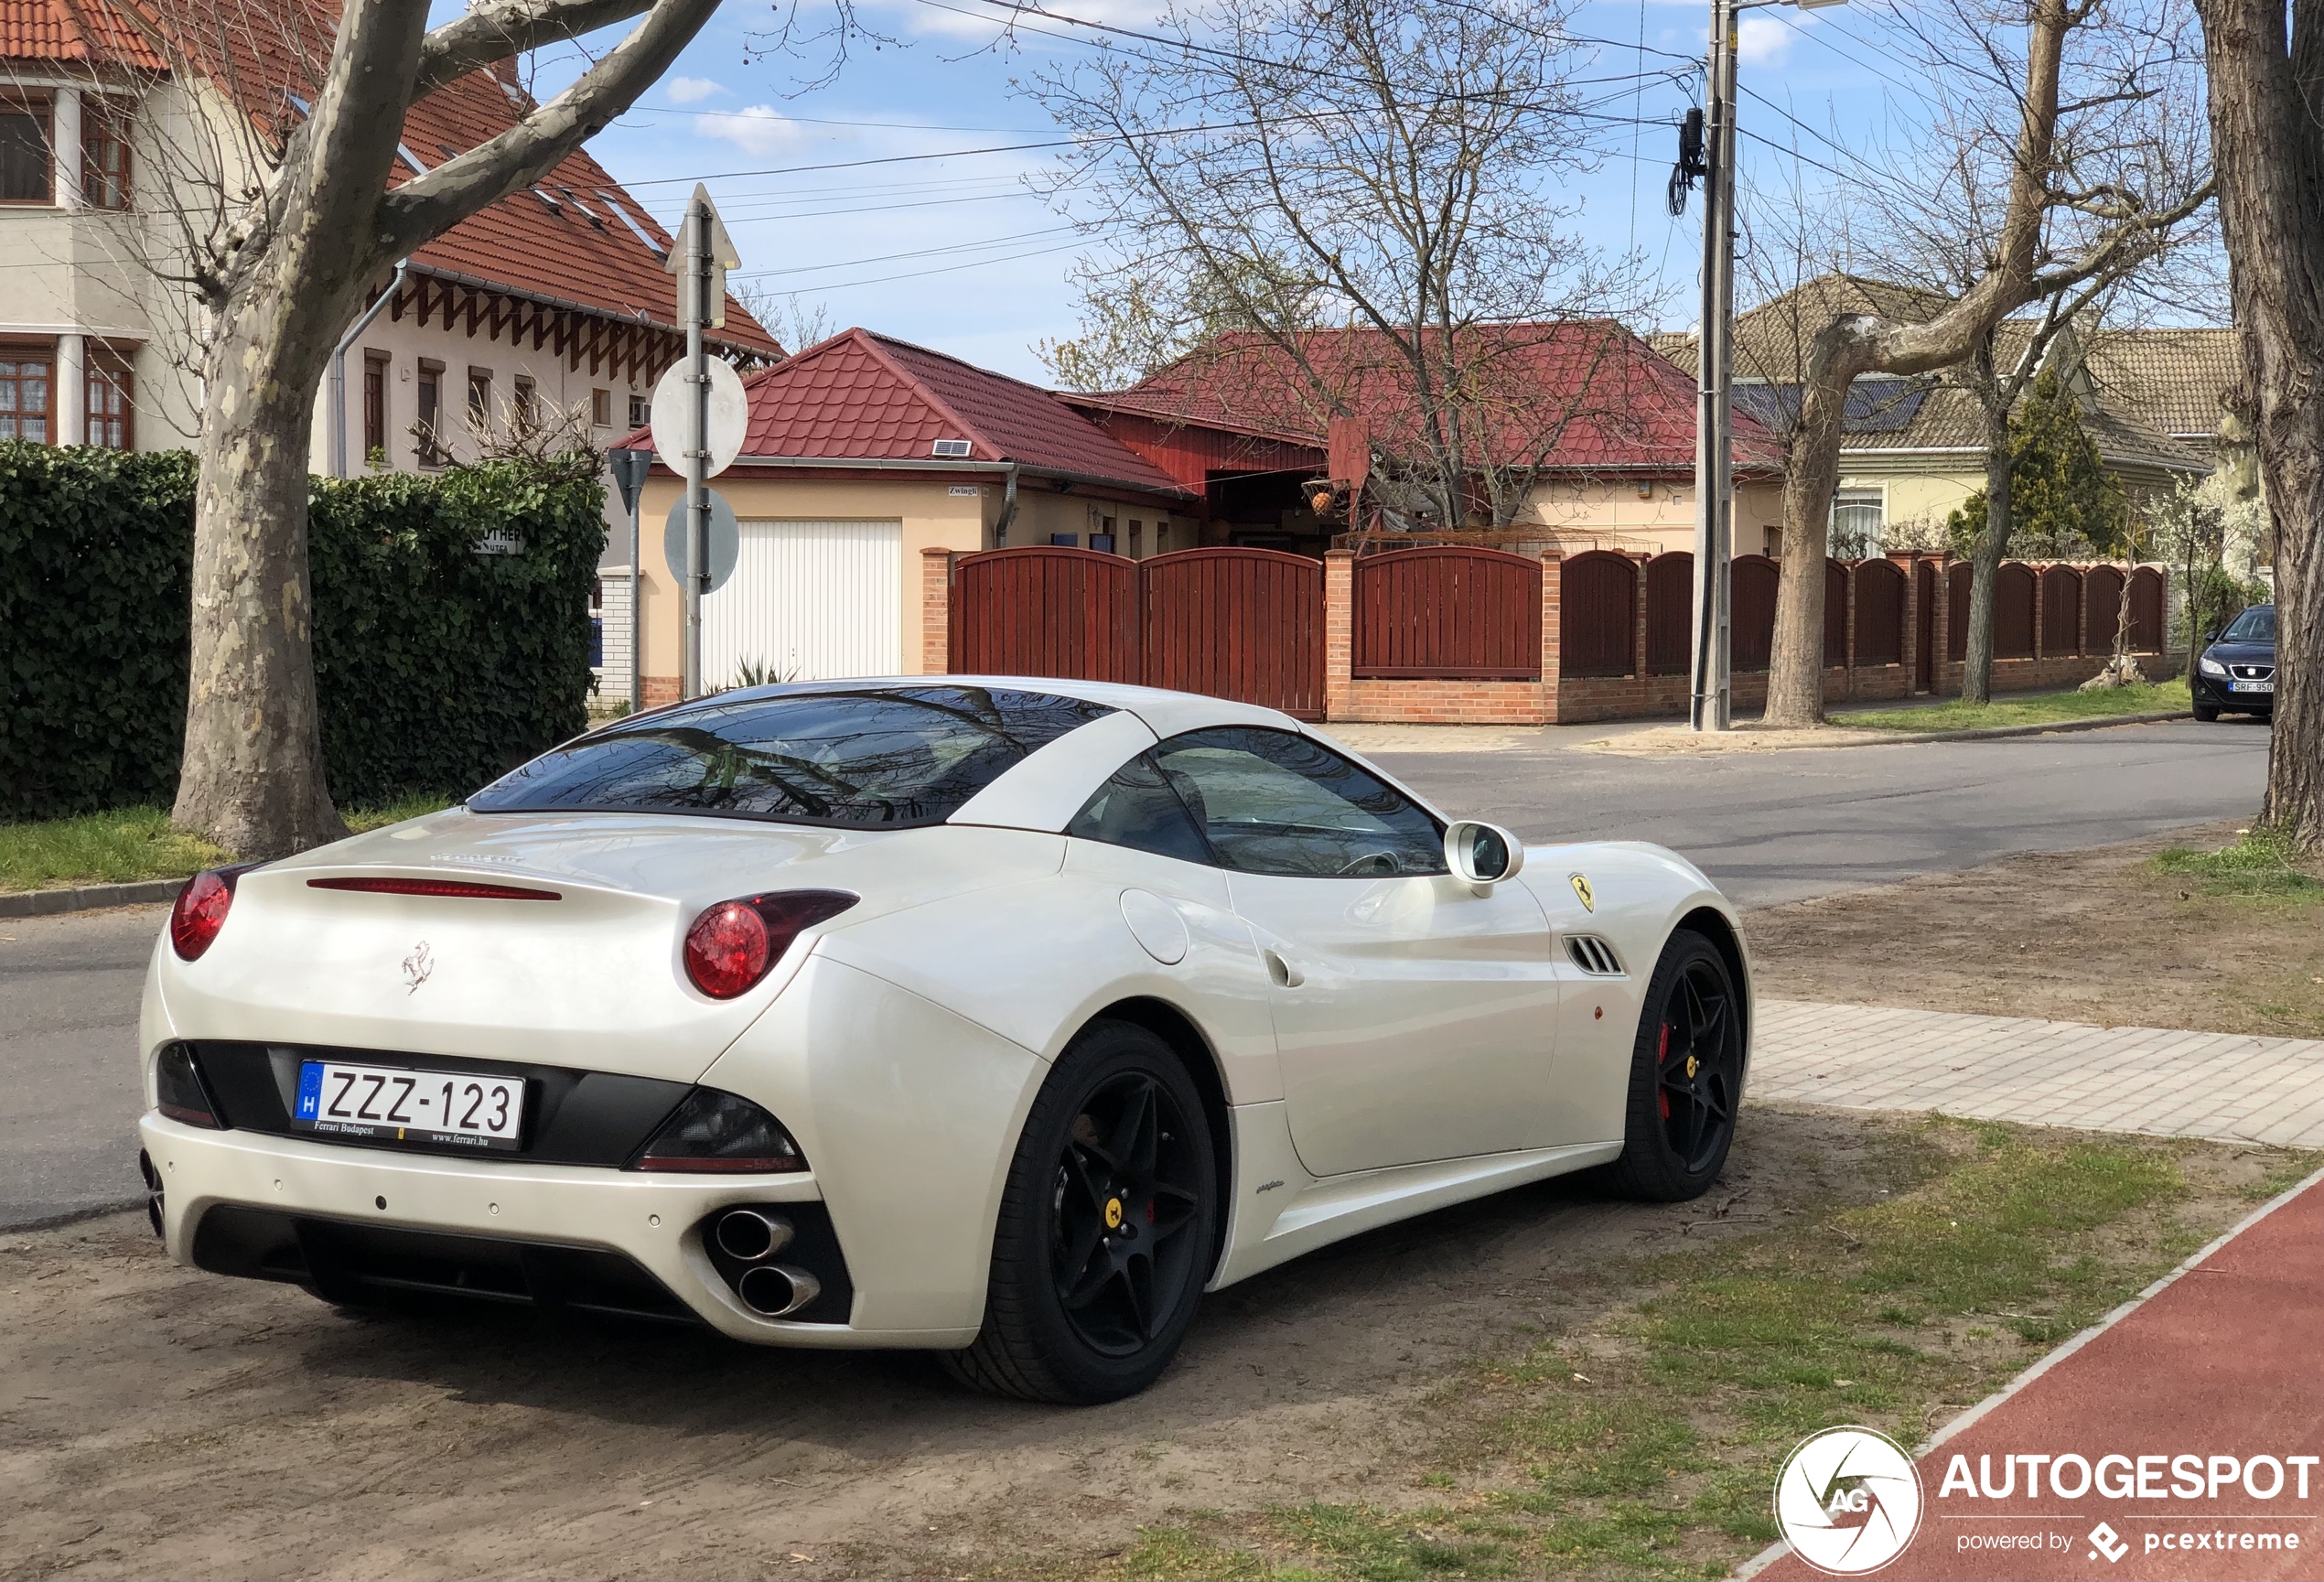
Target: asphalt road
[(1769, 827)]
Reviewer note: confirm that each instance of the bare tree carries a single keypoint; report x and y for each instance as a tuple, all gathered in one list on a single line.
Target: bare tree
[(795, 325), (1268, 175), (2044, 187), (2266, 65), (305, 224)]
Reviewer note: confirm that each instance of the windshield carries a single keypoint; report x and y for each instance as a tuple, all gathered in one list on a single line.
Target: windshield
[(895, 758), (2256, 624)]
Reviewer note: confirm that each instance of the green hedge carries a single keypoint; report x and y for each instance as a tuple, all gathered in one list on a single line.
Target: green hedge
[(438, 667)]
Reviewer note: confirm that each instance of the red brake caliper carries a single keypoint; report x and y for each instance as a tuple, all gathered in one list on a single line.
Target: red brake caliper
[(1661, 1053)]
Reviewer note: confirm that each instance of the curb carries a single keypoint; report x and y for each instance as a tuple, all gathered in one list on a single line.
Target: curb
[(1996, 732), (88, 898)]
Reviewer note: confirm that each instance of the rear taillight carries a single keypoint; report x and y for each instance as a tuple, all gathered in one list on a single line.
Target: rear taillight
[(200, 911), (455, 889), (720, 1134), (732, 945), (178, 1093)]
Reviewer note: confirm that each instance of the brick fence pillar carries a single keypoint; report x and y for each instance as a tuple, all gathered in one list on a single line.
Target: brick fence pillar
[(2040, 593), (1338, 633), (1553, 582), (935, 611), (1912, 637)]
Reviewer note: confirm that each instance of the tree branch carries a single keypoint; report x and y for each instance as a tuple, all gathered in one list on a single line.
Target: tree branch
[(433, 203), (499, 30)]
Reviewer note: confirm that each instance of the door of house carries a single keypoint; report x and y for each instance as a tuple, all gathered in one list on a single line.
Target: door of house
[(808, 601)]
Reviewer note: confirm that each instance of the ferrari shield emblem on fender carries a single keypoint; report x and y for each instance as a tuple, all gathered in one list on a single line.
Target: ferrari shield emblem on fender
[(1581, 889)]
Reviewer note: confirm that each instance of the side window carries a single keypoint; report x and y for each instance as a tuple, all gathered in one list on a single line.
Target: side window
[(1137, 809), (1272, 802)]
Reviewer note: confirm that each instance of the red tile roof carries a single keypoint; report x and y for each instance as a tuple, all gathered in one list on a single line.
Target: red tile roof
[(578, 252), (865, 397), (88, 31), (1589, 394)]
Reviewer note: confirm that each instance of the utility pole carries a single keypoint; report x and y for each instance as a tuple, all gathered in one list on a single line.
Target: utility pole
[(1711, 705), (697, 452)]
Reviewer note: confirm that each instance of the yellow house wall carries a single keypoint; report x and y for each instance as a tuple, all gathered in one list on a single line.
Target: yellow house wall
[(1655, 522)]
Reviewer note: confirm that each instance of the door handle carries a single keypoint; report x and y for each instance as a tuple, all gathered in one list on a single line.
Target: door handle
[(1285, 976)]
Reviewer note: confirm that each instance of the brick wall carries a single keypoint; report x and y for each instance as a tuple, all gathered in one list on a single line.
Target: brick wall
[(935, 611)]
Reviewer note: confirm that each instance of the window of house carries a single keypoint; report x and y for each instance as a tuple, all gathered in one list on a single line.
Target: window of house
[(1859, 515), (23, 396), (524, 406), (480, 400), (27, 171), (374, 403), (104, 155), (430, 415), (640, 410), (1138, 532), (601, 408), (110, 406)]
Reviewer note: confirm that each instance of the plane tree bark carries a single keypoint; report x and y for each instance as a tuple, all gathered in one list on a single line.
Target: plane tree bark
[(322, 229), (2266, 66)]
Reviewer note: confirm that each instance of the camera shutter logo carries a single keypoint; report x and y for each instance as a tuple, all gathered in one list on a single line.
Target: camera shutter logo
[(1848, 1500)]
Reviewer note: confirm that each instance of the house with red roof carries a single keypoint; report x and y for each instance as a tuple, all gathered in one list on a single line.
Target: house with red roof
[(121, 119)]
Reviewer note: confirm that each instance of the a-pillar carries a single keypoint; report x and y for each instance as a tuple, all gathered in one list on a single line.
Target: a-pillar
[(1338, 633), (935, 611)]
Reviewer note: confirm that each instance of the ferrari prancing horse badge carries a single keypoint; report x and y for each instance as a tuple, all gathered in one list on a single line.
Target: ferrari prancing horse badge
[(1581, 888)]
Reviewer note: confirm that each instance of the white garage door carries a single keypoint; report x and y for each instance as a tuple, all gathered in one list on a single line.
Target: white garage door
[(808, 601)]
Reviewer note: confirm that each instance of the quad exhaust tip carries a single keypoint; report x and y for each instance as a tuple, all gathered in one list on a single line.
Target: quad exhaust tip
[(777, 1290), (748, 1236)]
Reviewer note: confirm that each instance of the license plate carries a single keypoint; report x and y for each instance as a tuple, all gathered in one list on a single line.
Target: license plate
[(391, 1104), (2251, 687)]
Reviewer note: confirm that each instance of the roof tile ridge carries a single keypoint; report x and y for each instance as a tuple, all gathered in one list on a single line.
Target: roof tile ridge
[(870, 341)]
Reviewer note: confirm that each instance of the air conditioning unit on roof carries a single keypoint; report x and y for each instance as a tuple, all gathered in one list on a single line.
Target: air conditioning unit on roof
[(953, 447)]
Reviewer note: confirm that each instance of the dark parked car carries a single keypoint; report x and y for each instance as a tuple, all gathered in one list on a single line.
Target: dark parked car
[(2237, 673)]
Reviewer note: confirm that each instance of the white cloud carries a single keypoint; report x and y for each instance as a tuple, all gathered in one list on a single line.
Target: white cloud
[(1765, 42), (692, 90), (760, 129)]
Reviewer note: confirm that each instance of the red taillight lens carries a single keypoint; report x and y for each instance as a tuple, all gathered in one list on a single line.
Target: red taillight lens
[(455, 889), (731, 946), (200, 911)]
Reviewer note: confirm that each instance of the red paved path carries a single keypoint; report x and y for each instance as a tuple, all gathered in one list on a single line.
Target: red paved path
[(2228, 1360)]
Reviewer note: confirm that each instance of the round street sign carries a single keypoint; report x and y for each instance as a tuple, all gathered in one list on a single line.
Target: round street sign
[(726, 541), (729, 415)]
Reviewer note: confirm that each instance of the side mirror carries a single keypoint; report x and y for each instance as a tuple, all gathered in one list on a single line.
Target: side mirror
[(1482, 855), (2212, 636)]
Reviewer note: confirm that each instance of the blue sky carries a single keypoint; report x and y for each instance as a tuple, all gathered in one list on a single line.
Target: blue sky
[(956, 253)]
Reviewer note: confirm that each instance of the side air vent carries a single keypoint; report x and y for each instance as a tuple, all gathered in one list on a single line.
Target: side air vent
[(1594, 955)]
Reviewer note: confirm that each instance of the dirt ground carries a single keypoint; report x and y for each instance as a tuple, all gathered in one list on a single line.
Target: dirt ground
[(2086, 936), (159, 1422)]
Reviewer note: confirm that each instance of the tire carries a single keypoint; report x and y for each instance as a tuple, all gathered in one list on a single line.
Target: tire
[(1686, 1077), (2206, 711), (1107, 1227)]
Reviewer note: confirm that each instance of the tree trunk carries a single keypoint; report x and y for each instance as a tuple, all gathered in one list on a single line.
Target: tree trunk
[(1984, 556), (2268, 137)]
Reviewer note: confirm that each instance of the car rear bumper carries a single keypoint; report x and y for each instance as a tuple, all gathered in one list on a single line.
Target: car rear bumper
[(564, 1227)]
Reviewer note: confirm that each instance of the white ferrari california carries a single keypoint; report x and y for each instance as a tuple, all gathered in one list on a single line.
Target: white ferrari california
[(996, 1015)]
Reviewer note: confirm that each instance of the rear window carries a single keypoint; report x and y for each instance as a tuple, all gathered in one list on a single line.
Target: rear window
[(892, 758)]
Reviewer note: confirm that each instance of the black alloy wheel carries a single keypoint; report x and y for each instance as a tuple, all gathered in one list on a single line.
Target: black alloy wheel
[(1687, 1076), (1107, 1227)]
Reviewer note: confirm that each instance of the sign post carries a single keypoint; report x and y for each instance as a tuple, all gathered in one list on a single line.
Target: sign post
[(702, 269), (629, 469)]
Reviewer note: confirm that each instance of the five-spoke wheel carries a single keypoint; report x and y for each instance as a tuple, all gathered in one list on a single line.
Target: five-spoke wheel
[(1107, 1226), (1687, 1075)]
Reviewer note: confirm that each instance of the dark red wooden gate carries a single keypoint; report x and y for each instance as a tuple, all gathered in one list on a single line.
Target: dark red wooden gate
[(2146, 610), (1598, 615), (1451, 614), (1751, 607), (1670, 614), (1956, 599), (1245, 624), (2060, 612), (1069, 613), (1880, 613), (1924, 634), (1835, 613), (2013, 610)]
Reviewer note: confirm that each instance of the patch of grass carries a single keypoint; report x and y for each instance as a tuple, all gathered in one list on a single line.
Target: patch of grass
[(131, 844), (2261, 864), (119, 847), (1646, 1444), (2036, 708)]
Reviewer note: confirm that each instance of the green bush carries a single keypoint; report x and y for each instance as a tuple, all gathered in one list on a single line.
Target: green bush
[(436, 667)]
